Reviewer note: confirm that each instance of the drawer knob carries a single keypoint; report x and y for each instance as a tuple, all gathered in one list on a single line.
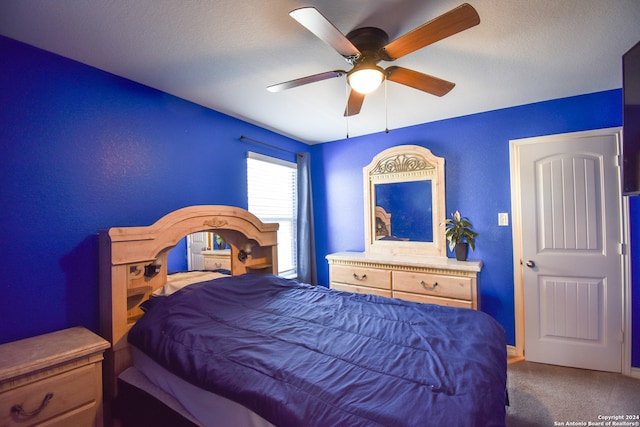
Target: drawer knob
[(18, 410), (361, 278), (429, 288)]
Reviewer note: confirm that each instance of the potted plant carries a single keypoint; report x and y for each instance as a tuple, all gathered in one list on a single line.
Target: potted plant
[(459, 234), (222, 244)]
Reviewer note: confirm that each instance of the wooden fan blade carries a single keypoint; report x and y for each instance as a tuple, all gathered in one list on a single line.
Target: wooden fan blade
[(314, 21), (420, 81), (448, 24), (305, 80), (354, 104)]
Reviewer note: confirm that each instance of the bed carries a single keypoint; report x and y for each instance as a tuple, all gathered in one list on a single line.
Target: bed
[(255, 349)]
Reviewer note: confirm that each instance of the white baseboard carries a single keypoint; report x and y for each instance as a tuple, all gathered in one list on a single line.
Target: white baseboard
[(633, 372)]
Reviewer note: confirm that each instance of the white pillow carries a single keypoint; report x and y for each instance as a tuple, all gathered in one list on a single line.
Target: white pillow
[(177, 281)]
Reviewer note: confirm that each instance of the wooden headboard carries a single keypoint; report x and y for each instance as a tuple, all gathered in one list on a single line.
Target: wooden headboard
[(133, 264), (383, 222)]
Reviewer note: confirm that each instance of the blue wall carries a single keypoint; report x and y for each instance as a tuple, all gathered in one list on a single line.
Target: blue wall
[(84, 150), (177, 257), (476, 149)]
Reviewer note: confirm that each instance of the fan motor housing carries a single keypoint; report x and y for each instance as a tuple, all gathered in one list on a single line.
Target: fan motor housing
[(369, 41)]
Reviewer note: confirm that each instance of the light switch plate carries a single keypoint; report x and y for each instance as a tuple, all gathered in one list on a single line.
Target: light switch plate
[(503, 219)]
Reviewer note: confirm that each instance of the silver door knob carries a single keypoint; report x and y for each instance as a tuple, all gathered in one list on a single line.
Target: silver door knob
[(531, 264)]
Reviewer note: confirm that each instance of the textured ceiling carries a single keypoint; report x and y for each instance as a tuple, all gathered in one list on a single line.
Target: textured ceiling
[(222, 54)]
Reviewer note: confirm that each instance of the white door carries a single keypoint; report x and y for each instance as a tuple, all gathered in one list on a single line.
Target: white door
[(571, 249), (196, 243)]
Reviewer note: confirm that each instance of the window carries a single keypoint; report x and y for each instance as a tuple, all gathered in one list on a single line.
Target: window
[(272, 193)]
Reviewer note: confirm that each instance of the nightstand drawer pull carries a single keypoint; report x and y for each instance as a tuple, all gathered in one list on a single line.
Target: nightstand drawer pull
[(429, 288), (361, 278), (17, 409)]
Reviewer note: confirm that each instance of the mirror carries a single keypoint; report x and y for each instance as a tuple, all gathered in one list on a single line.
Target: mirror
[(405, 202), (412, 218), (191, 252)]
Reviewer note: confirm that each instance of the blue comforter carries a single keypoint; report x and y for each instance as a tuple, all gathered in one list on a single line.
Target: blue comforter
[(300, 355)]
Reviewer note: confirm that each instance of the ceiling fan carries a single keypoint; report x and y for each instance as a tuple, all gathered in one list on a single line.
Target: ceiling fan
[(364, 48)]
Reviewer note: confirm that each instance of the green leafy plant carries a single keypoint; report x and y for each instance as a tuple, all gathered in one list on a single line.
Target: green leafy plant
[(458, 229), (220, 241)]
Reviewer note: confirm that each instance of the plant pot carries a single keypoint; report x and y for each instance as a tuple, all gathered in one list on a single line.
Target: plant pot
[(462, 249)]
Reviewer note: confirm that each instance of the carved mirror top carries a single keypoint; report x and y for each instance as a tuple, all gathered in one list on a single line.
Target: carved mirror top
[(406, 183), (403, 164)]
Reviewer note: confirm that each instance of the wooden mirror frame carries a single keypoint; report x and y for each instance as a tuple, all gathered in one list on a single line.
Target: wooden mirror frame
[(405, 163)]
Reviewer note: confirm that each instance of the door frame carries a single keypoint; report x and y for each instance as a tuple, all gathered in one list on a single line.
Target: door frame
[(516, 214)]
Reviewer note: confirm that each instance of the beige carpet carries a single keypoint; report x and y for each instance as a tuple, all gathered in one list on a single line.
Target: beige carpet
[(546, 395)]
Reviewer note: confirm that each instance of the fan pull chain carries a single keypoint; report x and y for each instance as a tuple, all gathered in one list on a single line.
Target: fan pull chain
[(386, 108), (346, 86)]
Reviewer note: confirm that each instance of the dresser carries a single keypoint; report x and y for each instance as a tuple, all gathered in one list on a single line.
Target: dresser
[(53, 379), (217, 259), (432, 280)]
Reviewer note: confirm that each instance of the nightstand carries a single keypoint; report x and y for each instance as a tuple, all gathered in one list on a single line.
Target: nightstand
[(53, 379)]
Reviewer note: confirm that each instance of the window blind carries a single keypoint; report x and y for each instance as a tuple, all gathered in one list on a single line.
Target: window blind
[(272, 197)]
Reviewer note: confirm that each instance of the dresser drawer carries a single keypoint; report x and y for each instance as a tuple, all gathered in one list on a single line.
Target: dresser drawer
[(433, 285), (425, 299), (361, 289), (371, 278), (217, 263), (73, 392)]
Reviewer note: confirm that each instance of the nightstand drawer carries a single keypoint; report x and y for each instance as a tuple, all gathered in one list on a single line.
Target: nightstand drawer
[(357, 276), (361, 289), (433, 285), (83, 416), (72, 391)]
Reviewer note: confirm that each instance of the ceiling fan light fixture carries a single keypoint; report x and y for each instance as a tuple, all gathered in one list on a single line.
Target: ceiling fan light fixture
[(365, 78)]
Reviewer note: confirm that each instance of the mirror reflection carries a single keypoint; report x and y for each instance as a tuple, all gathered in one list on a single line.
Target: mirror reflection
[(199, 251), (404, 211)]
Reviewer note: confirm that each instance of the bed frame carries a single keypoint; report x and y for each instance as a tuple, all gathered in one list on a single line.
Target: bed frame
[(133, 264)]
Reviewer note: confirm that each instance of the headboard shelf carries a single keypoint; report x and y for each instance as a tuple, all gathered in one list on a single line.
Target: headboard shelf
[(137, 291), (256, 267)]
